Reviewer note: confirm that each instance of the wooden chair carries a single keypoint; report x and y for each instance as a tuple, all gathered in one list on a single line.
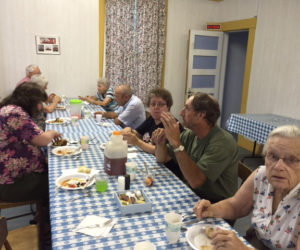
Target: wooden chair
[(3, 234), (39, 216), (21, 238), (243, 171)]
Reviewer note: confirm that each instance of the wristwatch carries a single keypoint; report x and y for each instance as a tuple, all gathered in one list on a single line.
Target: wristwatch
[(179, 149)]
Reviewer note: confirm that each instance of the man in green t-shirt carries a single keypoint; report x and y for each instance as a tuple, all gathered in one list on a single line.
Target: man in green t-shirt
[(207, 155)]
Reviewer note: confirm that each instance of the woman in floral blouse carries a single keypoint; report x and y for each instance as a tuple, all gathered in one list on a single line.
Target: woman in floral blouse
[(23, 166), (272, 193)]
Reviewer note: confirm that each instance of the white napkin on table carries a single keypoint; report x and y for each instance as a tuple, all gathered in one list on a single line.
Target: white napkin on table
[(90, 220), (131, 155)]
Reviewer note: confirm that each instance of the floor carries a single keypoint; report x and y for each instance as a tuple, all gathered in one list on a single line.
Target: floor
[(241, 225)]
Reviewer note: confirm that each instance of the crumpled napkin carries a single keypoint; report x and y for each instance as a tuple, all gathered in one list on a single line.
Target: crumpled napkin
[(90, 220)]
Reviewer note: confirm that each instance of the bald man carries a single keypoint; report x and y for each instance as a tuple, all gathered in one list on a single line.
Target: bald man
[(131, 111)]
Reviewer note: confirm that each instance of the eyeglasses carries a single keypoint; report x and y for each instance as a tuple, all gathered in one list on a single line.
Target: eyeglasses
[(159, 104), (290, 161)]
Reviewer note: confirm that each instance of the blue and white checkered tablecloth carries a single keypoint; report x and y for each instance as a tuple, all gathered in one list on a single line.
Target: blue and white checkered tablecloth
[(256, 127), (167, 194)]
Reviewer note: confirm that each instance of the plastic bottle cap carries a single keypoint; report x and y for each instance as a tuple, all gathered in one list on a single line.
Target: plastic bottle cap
[(116, 133), (75, 101)]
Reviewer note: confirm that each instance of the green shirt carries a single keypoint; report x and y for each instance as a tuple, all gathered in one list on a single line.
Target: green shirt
[(217, 156)]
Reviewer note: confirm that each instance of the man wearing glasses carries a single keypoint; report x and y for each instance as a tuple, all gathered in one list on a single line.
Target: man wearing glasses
[(206, 154)]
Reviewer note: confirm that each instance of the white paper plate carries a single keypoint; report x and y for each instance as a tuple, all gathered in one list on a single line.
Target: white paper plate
[(75, 171), (69, 176), (66, 151), (104, 124), (196, 237), (64, 120), (130, 147)]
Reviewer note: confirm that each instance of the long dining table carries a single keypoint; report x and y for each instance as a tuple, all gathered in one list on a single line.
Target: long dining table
[(69, 207)]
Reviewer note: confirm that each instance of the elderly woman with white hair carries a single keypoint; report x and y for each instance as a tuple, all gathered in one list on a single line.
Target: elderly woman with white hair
[(272, 193), (105, 96), (50, 103)]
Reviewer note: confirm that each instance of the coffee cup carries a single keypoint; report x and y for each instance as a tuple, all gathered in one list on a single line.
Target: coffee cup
[(173, 226)]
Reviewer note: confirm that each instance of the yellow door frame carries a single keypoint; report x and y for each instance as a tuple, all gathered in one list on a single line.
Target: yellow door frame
[(239, 25)]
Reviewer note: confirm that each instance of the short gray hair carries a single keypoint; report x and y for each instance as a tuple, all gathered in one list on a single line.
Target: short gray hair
[(40, 80), (287, 131), (105, 82), (30, 68)]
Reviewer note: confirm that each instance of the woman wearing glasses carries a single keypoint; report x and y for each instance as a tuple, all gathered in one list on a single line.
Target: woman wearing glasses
[(272, 193), (159, 101)]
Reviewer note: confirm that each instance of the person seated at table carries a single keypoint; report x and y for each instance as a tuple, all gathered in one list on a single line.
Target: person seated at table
[(50, 104), (31, 70), (271, 193), (206, 154), (131, 111), (23, 166), (105, 96), (159, 100)]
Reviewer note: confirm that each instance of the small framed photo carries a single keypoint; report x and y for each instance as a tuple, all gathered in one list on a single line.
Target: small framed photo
[(47, 45)]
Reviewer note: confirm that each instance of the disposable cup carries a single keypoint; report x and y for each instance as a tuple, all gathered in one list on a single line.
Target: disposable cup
[(173, 226), (131, 169), (101, 182), (98, 118), (74, 120), (84, 140)]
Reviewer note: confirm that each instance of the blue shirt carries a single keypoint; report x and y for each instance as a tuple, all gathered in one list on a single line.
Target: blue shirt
[(113, 105), (132, 114)]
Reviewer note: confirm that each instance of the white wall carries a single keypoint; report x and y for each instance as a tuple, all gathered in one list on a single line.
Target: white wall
[(76, 69)]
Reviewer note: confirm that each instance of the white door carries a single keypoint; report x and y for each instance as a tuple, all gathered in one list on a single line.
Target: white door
[(204, 63)]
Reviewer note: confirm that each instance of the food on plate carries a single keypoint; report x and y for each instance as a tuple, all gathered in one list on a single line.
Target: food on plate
[(209, 232), (74, 182), (60, 142), (84, 169), (131, 198), (149, 181), (203, 239), (67, 151), (57, 120)]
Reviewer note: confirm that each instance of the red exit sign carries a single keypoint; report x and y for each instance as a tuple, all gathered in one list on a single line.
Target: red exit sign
[(213, 26)]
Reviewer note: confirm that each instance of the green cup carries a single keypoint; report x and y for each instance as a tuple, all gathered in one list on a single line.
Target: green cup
[(101, 182)]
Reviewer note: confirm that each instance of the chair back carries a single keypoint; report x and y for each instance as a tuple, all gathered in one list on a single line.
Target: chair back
[(243, 171), (3, 234)]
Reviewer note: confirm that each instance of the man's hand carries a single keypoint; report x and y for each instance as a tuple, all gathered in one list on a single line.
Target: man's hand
[(172, 130)]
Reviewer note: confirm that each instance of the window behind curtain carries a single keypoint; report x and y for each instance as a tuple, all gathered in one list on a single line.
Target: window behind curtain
[(135, 41)]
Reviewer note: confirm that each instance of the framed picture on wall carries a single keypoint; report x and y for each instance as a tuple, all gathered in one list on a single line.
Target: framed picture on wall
[(47, 45)]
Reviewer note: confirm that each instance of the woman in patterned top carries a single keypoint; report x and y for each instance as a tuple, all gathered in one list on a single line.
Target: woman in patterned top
[(23, 166), (272, 193), (105, 96)]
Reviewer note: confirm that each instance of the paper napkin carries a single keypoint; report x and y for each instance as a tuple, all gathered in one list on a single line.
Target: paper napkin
[(87, 226)]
